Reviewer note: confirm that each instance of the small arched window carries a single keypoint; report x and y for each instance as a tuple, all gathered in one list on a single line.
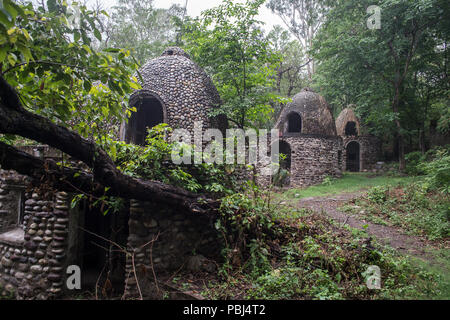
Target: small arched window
[(294, 123), (350, 129)]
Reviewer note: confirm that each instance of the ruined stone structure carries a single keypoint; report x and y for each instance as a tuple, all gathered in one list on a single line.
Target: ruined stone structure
[(41, 234), (174, 91), (33, 239), (309, 141), (361, 151), (167, 240)]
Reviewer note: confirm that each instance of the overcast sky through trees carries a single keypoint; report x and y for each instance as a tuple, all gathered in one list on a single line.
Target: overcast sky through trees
[(195, 7)]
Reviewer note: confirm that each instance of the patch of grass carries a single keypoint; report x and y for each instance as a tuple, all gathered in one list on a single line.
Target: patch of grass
[(412, 208), (440, 267), (350, 182), (279, 252)]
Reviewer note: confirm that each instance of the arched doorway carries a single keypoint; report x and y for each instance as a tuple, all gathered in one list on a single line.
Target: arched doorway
[(351, 129), (353, 157), (294, 123), (282, 178), (150, 113)]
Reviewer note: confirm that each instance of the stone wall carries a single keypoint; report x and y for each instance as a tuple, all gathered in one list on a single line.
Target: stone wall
[(313, 157), (370, 151), (33, 249), (165, 240)]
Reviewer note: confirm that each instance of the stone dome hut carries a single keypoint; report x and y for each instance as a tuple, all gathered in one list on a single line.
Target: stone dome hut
[(308, 113), (361, 151), (41, 233), (309, 140), (175, 91)]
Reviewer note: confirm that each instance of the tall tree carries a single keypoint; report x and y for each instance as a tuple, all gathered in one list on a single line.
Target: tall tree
[(373, 63), (290, 75), (138, 25), (303, 18), (229, 43)]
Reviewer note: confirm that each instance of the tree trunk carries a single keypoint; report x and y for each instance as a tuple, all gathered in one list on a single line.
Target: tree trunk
[(14, 119), (422, 146), (400, 137)]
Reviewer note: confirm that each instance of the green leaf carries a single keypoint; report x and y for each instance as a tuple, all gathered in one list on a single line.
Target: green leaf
[(86, 47), (76, 35), (12, 59), (6, 19), (3, 53), (10, 8), (97, 34), (87, 85)]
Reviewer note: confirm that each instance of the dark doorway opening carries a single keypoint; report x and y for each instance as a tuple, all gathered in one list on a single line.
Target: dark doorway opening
[(350, 129), (353, 157), (294, 123), (282, 178), (102, 263), (149, 114)]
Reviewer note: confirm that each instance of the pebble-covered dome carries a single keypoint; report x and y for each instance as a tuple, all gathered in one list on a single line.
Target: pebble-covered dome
[(308, 113), (348, 123), (175, 91)]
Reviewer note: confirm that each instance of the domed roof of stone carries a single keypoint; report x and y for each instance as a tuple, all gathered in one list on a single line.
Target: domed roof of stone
[(175, 51), (347, 115), (185, 90), (316, 116)]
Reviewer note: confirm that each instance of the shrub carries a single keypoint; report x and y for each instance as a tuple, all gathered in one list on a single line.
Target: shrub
[(438, 171), (378, 194), (414, 162)]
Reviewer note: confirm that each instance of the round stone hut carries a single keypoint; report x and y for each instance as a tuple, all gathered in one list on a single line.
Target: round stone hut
[(175, 91), (361, 150), (309, 140)]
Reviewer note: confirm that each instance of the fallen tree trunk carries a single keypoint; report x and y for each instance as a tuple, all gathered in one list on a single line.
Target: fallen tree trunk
[(14, 119)]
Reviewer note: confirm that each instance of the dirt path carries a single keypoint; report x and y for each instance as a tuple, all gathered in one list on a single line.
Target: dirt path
[(385, 234)]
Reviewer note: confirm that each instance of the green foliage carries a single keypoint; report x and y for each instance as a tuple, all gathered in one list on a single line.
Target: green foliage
[(378, 194), (303, 19), (413, 163), (438, 171), (142, 28), (48, 55), (413, 208), (320, 264), (282, 253), (439, 266), (396, 75), (153, 162), (249, 211), (228, 42), (350, 182), (245, 222), (434, 165), (327, 181), (280, 178), (290, 74)]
